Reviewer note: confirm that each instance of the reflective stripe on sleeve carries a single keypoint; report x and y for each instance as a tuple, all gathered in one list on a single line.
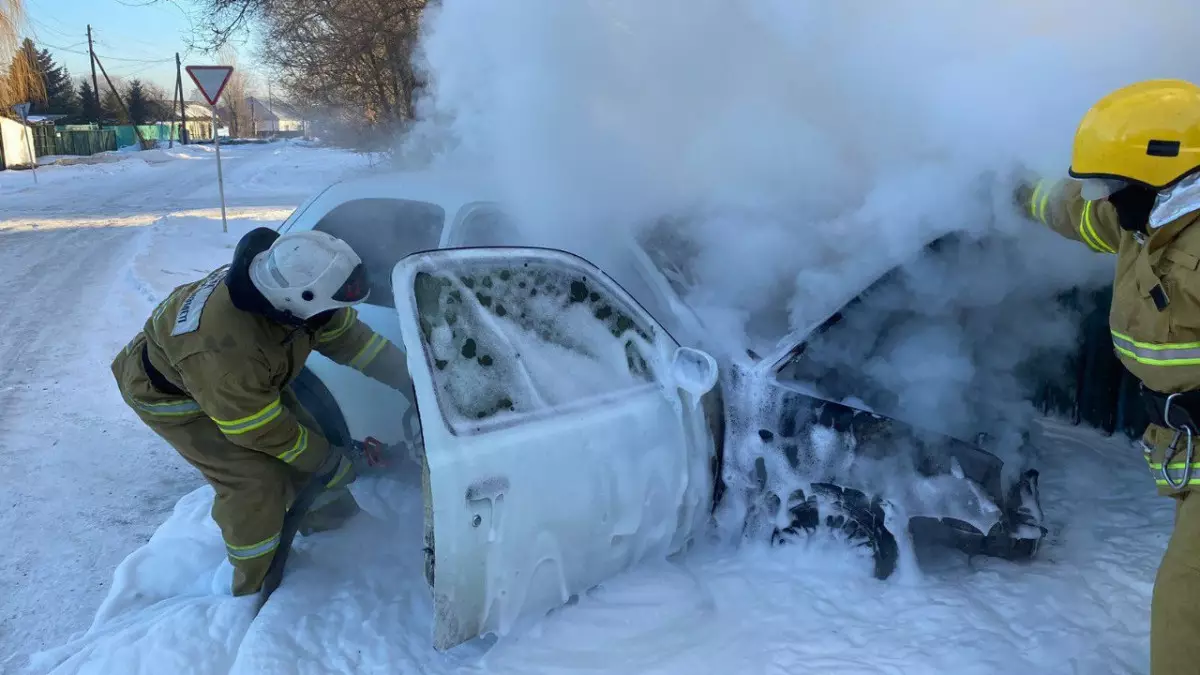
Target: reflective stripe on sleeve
[(253, 550), (348, 320), (1164, 354), (251, 422), (1039, 201), (298, 447), (343, 469), (1088, 232), (367, 354)]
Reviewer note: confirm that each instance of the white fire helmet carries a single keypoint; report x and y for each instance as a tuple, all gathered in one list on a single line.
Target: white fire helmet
[(306, 273)]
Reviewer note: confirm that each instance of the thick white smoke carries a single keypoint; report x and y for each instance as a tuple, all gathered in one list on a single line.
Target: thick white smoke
[(811, 145)]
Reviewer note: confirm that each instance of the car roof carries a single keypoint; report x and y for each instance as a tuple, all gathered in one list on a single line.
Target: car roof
[(449, 190)]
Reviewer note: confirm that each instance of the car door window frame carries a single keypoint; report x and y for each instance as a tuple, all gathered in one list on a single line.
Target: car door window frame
[(644, 319), (458, 226)]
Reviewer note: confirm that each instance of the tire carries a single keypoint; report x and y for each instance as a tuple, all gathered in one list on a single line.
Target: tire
[(316, 399)]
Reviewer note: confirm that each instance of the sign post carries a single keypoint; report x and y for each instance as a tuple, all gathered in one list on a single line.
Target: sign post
[(22, 109), (211, 81)]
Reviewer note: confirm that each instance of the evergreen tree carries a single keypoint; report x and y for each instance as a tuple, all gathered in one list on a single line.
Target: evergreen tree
[(112, 108), (89, 111), (60, 91), (140, 108)]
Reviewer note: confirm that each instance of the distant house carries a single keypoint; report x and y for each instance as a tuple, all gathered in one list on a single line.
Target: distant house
[(275, 118), (198, 120), (16, 144)]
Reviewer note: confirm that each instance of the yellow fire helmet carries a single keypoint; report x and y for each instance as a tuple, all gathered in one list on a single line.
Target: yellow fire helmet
[(1146, 133)]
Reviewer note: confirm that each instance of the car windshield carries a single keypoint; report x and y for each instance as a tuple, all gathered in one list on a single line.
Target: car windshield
[(382, 231)]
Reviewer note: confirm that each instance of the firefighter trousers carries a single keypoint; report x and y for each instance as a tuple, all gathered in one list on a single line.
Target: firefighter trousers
[(253, 490), (1175, 608)]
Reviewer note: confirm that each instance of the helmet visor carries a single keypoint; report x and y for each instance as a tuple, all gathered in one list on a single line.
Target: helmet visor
[(356, 288)]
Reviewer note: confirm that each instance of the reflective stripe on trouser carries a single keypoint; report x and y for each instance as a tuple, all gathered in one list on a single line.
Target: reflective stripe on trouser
[(1166, 354), (252, 551), (253, 490), (1175, 608)]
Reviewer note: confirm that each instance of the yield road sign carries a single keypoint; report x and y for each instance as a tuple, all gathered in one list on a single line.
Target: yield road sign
[(211, 80)]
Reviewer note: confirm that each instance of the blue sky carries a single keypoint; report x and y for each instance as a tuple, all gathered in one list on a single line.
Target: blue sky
[(134, 38)]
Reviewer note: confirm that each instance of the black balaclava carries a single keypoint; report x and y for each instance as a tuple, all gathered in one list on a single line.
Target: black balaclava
[(1134, 204)]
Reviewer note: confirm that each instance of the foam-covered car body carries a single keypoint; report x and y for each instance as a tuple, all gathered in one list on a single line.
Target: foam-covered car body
[(568, 427)]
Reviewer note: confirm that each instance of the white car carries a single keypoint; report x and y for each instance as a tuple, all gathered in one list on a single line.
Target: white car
[(570, 429)]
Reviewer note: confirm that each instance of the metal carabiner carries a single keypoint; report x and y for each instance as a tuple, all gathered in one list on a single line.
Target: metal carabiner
[(1173, 450), (1167, 413)]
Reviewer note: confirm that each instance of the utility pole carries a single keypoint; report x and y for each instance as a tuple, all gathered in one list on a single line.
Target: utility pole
[(182, 110), (95, 82), (124, 108), (174, 100)]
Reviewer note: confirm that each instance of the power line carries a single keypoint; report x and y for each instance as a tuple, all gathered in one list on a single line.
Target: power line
[(69, 50), (150, 61), (51, 29)]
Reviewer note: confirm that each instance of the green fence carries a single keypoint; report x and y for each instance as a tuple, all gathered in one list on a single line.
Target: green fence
[(88, 142), (43, 140), (72, 140), (126, 136)]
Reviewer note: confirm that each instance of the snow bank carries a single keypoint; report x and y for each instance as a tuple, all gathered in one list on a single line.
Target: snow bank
[(187, 245), (165, 175)]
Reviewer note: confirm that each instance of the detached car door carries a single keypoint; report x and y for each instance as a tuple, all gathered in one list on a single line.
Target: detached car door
[(565, 431)]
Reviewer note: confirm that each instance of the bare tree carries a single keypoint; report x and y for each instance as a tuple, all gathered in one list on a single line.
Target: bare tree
[(233, 100), (351, 58), (20, 80)]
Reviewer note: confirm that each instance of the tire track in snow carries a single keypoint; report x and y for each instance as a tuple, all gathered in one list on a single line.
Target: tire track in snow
[(73, 510)]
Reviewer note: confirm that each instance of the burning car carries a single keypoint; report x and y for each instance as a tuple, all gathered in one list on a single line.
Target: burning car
[(570, 426)]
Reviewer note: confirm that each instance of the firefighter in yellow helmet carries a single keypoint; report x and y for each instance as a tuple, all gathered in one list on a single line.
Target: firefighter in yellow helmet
[(211, 373), (1136, 195)]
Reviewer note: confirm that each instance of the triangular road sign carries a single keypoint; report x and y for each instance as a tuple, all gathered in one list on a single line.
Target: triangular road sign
[(211, 80)]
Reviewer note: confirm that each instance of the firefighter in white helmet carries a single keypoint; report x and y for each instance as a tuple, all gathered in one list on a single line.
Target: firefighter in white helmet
[(211, 370)]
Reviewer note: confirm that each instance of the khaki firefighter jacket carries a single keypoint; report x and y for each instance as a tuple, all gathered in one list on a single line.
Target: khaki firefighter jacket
[(231, 363), (1155, 313)]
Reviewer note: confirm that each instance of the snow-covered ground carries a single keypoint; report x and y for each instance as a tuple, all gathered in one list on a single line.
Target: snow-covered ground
[(86, 490), (84, 254)]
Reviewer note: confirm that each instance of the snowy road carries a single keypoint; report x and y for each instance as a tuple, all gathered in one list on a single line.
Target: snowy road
[(82, 483)]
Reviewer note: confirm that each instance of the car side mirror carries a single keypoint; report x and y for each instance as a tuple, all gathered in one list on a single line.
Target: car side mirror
[(694, 371)]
